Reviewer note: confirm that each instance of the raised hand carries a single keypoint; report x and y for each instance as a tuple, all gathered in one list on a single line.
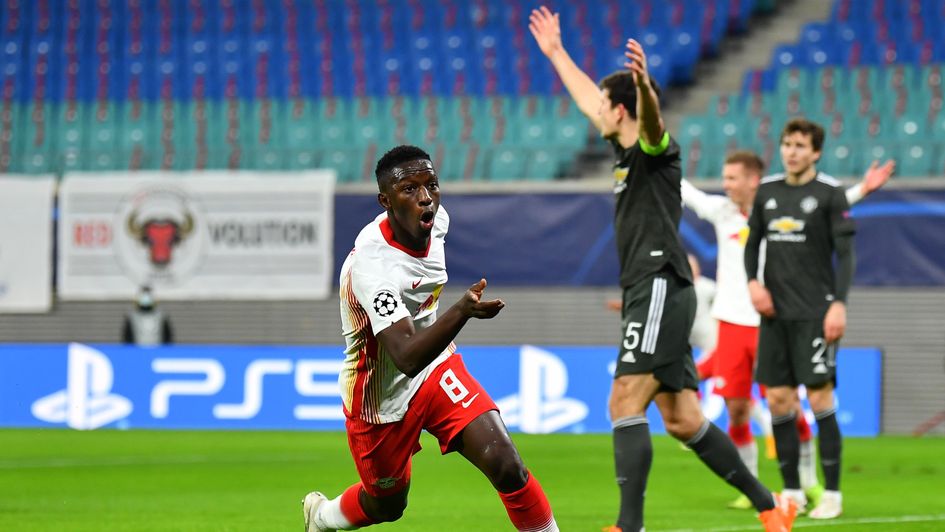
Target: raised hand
[(473, 306), (546, 28), (876, 176), (637, 63)]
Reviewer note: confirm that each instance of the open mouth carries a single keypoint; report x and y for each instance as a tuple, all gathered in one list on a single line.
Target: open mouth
[(426, 219)]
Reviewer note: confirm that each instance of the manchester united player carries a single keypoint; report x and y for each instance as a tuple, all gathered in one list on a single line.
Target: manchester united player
[(803, 215), (655, 360), (733, 361)]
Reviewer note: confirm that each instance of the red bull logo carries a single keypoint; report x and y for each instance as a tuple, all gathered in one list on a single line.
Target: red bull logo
[(160, 235)]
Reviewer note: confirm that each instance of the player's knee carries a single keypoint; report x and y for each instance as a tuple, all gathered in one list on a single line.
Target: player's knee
[(683, 428), (682, 431), (625, 401), (674, 429), (507, 472), (780, 402), (739, 412), (820, 398)]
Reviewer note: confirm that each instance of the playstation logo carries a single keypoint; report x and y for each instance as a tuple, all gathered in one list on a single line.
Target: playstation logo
[(541, 406), (86, 403)]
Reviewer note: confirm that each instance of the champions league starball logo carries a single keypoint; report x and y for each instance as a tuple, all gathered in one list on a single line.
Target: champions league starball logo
[(385, 303), (159, 240)]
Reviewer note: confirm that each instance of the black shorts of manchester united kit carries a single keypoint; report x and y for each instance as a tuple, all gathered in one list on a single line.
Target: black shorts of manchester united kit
[(657, 316), (793, 352)]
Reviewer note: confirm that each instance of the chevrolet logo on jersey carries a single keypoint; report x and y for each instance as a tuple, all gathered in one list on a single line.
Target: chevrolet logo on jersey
[(786, 224), (786, 229)]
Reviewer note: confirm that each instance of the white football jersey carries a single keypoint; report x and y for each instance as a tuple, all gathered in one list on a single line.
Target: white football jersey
[(705, 328), (732, 299), (381, 283)]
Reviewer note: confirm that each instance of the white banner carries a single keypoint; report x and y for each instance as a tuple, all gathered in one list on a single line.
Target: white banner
[(206, 235), (26, 204)]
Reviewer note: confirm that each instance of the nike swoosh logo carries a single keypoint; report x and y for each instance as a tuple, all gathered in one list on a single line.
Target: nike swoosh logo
[(469, 402), (416, 284)]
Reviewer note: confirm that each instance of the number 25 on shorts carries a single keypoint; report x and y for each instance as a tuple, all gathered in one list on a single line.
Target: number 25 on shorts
[(631, 341)]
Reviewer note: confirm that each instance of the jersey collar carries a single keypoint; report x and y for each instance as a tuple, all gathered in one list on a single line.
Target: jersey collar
[(388, 233)]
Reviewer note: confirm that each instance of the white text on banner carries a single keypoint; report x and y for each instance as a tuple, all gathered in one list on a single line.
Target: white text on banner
[(206, 235)]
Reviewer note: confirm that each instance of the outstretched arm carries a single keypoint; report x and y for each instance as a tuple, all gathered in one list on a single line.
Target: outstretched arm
[(546, 28), (648, 104), (412, 350), (875, 177), (706, 206)]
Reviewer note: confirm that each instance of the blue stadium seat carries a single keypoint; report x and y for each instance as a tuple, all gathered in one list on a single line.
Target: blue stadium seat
[(786, 56), (506, 163), (839, 159), (196, 56), (916, 159)]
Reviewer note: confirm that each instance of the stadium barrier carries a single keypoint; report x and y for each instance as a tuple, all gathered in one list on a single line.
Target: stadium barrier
[(538, 389), (567, 239)]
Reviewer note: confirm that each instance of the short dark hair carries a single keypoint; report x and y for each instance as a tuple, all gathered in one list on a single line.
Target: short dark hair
[(749, 159), (621, 89), (395, 156), (807, 127)]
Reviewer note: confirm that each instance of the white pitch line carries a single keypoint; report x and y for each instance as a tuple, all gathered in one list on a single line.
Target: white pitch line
[(145, 461), (805, 523)]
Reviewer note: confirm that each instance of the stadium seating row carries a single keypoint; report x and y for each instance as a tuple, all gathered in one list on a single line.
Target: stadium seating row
[(283, 84), (87, 50), (180, 84), (532, 135), (916, 141), (353, 165), (862, 32), (872, 75), (839, 158)]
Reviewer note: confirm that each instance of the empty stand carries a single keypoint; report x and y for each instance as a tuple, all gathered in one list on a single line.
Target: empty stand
[(293, 84), (872, 75)]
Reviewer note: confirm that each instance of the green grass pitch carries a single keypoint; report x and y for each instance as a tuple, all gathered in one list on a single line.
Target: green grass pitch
[(252, 481)]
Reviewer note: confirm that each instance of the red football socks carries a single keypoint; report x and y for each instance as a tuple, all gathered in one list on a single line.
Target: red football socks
[(803, 428), (528, 507), (740, 435), (351, 507)]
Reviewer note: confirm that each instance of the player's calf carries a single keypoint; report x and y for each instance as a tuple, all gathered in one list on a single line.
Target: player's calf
[(528, 508)]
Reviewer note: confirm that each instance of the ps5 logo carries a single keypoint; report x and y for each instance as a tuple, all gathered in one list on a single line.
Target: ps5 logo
[(541, 406), (87, 402), (210, 377)]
